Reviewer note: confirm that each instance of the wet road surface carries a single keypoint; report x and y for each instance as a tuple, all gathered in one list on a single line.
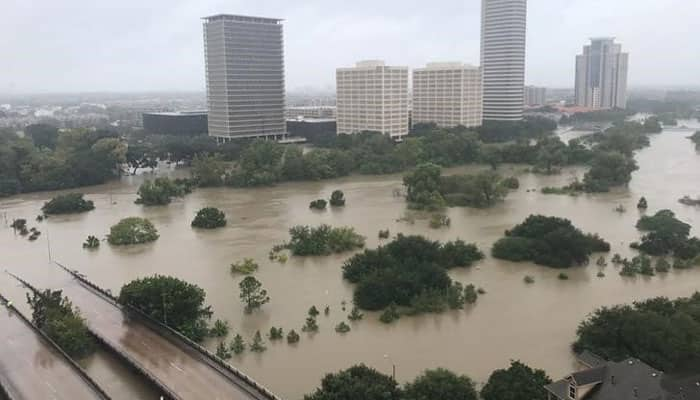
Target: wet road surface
[(31, 368)]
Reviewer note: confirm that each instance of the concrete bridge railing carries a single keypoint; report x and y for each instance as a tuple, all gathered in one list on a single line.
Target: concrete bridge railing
[(215, 362)]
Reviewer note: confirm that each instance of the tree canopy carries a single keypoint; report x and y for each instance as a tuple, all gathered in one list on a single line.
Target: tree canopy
[(58, 319), (665, 235), (67, 204), (407, 271), (323, 240), (357, 382), (209, 218), (517, 382), (661, 332), (549, 241), (132, 230), (440, 384), (161, 191), (172, 301)]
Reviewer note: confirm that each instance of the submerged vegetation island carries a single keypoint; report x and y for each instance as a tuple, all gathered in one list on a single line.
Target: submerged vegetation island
[(410, 271), (161, 191), (428, 190), (549, 241), (132, 230), (666, 235), (323, 240), (209, 218), (68, 204)]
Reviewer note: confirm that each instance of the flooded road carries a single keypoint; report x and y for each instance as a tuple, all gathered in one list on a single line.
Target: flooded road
[(533, 323)]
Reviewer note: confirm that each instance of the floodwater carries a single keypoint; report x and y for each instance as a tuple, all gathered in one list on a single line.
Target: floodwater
[(533, 323)]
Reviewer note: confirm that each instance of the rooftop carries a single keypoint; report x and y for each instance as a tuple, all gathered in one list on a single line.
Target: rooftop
[(177, 113), (242, 18), (630, 379)]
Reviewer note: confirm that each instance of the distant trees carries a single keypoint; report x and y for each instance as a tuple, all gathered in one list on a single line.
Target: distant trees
[(209, 218), (549, 241), (67, 204), (43, 135), (407, 271), (252, 294), (171, 301), (132, 230), (503, 131), (661, 332), (208, 170), (58, 319), (323, 240), (518, 382)]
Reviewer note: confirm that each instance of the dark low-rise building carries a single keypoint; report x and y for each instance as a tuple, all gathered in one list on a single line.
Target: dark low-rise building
[(315, 130), (180, 123)]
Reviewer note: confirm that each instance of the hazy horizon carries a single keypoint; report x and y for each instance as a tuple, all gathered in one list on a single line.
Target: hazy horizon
[(139, 47)]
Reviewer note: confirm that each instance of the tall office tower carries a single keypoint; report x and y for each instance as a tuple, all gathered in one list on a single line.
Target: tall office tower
[(447, 94), (601, 75), (244, 61), (535, 96), (372, 96), (503, 26)]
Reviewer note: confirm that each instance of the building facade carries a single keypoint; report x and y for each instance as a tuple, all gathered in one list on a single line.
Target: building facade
[(310, 112), (503, 28), (601, 75), (181, 123), (447, 94), (372, 96), (244, 61), (535, 96)]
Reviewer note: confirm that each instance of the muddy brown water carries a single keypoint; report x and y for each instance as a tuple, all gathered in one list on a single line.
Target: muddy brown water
[(533, 323)]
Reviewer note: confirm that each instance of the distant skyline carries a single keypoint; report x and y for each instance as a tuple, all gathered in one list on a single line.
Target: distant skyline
[(83, 46)]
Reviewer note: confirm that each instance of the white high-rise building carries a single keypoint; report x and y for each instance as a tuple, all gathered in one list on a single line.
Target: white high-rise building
[(244, 60), (372, 96), (447, 94), (601, 75), (503, 28)]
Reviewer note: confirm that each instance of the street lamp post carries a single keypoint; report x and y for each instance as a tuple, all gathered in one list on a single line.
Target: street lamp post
[(393, 366)]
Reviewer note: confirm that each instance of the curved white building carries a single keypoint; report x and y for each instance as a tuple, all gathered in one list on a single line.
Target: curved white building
[(503, 28)]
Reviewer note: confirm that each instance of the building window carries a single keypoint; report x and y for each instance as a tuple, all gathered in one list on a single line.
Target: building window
[(572, 392)]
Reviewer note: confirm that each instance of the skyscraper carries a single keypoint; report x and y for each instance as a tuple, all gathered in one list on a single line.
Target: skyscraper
[(447, 94), (601, 75), (503, 28), (244, 61), (372, 96)]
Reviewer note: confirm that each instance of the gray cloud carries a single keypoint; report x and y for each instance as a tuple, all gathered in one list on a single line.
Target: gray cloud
[(139, 45)]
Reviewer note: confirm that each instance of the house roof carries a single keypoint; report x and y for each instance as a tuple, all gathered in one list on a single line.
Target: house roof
[(590, 359), (630, 379), (687, 388)]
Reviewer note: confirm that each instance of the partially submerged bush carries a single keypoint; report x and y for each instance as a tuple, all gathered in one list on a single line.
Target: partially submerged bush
[(209, 218), (132, 230), (68, 204)]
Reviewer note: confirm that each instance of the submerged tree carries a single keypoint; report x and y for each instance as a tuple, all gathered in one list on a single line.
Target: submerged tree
[(258, 344), (238, 345), (209, 218), (252, 293), (337, 198)]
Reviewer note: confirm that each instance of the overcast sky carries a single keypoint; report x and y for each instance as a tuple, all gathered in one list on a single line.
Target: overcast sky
[(144, 45)]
